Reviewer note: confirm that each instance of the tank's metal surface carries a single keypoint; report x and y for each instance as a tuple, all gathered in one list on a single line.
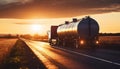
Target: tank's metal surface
[(84, 28)]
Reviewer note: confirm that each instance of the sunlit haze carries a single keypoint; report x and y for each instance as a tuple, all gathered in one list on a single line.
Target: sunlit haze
[(36, 28), (109, 23)]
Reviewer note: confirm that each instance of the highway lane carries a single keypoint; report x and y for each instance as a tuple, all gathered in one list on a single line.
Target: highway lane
[(61, 58)]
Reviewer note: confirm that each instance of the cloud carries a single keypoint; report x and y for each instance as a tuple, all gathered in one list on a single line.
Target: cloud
[(57, 8), (13, 1), (112, 8), (23, 23)]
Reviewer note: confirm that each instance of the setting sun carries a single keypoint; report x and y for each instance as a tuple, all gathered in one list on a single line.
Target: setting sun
[(36, 28)]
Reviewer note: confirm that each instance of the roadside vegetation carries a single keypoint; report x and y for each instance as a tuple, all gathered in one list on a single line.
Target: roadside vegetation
[(5, 48), (21, 57), (110, 42)]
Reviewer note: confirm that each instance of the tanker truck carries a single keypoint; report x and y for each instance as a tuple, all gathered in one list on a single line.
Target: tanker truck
[(79, 32)]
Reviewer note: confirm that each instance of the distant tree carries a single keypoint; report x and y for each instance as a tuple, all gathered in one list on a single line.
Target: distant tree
[(9, 36), (36, 36), (26, 36)]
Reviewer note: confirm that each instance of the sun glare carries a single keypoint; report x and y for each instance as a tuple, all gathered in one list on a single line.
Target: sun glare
[(36, 28)]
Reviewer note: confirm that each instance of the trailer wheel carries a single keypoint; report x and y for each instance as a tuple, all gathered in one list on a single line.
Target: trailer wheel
[(63, 44), (57, 42), (77, 46)]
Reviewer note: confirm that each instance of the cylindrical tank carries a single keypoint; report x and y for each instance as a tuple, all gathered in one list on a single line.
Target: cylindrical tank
[(83, 28)]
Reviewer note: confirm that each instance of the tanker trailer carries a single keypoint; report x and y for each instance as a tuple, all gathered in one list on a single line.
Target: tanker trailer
[(82, 32)]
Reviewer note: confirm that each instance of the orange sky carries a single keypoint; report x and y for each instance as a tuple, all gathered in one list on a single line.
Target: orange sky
[(109, 23), (55, 8)]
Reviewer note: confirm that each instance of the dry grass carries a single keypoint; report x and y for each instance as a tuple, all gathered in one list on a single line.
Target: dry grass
[(110, 42), (110, 39), (21, 57), (5, 47)]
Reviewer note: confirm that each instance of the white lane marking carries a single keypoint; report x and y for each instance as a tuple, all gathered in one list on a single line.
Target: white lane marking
[(89, 56)]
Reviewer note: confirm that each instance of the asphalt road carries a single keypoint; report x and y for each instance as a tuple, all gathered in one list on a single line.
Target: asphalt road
[(54, 57)]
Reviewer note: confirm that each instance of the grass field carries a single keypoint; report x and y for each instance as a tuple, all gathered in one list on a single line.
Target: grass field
[(5, 47), (110, 39), (110, 42), (21, 57)]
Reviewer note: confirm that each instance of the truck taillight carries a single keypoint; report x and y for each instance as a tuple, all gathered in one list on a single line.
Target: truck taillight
[(82, 42), (97, 42)]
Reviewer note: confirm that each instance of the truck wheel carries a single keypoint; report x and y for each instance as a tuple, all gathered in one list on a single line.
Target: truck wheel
[(77, 46)]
